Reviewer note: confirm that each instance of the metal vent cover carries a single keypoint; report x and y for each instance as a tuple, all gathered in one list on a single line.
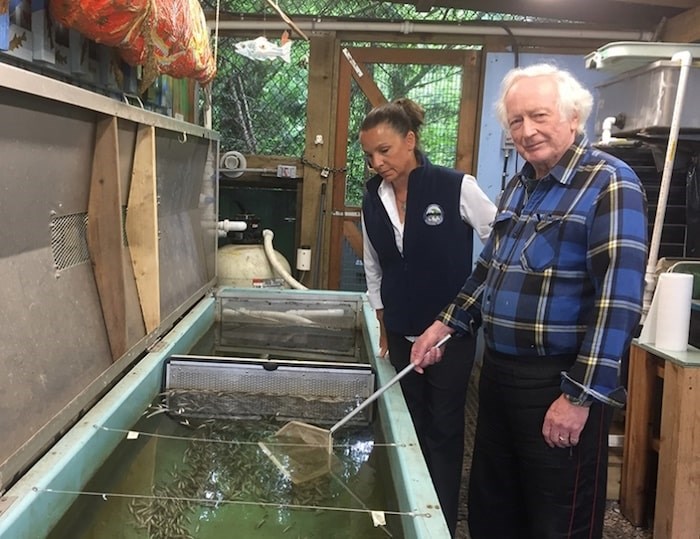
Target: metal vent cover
[(210, 387), (69, 245), (69, 240)]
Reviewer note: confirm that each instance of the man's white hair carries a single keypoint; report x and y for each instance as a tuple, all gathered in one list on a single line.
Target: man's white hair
[(574, 99)]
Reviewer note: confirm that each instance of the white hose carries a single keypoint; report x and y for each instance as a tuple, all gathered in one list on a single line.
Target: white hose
[(685, 59), (270, 316), (317, 313), (279, 268)]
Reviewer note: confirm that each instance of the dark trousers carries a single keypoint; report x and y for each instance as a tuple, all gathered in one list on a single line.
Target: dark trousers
[(519, 487), (436, 401)]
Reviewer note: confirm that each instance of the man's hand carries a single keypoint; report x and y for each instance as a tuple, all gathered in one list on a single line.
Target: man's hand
[(423, 351), (563, 423)]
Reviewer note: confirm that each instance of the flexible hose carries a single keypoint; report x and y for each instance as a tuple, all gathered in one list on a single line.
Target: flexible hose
[(279, 268)]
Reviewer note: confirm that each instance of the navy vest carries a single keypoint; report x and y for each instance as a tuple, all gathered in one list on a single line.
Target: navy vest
[(437, 249)]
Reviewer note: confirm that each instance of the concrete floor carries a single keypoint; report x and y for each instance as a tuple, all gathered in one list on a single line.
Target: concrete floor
[(616, 525)]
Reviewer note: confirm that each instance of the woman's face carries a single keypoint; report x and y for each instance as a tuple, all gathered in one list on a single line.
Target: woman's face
[(388, 152)]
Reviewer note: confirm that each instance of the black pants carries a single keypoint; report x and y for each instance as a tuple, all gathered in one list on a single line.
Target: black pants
[(520, 487), (436, 401)]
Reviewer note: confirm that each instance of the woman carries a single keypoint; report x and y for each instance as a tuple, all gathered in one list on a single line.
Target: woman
[(418, 222)]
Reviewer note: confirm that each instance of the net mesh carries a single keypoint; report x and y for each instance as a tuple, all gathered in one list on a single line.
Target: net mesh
[(301, 451)]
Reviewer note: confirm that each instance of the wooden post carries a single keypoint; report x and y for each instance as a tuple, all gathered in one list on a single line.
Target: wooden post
[(142, 226), (105, 233), (469, 115), (636, 464), (676, 515), (320, 124)]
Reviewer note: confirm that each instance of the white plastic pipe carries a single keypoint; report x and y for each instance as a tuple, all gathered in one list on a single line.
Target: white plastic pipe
[(232, 226), (279, 268), (685, 59), (408, 27), (226, 226), (608, 123)]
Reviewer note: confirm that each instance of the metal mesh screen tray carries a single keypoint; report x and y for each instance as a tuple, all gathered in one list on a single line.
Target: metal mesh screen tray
[(212, 387), (306, 326)]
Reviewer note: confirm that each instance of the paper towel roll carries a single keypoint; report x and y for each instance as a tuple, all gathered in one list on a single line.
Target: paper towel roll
[(675, 291)]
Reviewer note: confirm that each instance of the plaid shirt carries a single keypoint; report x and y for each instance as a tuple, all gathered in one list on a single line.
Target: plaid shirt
[(563, 270)]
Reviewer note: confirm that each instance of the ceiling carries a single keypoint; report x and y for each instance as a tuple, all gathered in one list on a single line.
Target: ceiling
[(633, 14)]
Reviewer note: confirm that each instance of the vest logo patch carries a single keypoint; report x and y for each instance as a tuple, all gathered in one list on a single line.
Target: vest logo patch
[(433, 215)]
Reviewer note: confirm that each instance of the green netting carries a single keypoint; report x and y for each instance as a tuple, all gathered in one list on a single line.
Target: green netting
[(360, 9), (260, 107), (436, 87)]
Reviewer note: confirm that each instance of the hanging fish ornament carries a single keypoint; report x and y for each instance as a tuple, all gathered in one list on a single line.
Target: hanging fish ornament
[(261, 48)]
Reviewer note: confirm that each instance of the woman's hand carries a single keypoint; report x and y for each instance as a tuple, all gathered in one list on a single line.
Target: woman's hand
[(383, 344)]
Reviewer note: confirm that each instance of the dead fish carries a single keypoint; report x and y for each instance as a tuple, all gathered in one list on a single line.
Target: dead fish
[(262, 49)]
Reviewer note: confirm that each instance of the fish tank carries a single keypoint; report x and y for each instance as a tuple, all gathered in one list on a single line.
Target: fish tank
[(175, 449)]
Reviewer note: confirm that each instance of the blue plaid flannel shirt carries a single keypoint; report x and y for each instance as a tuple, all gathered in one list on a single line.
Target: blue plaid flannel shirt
[(563, 270)]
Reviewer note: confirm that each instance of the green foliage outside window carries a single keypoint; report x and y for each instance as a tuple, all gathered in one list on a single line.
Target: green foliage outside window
[(259, 107)]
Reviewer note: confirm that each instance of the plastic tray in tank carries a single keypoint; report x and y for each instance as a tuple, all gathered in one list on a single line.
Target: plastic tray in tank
[(298, 325)]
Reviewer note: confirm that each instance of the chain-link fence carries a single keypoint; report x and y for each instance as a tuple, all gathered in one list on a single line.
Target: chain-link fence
[(353, 9), (435, 87), (260, 106)]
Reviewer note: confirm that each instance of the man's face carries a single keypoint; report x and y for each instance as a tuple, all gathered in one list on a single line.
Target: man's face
[(539, 131)]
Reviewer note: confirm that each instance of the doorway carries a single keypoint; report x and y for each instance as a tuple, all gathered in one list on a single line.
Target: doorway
[(445, 82)]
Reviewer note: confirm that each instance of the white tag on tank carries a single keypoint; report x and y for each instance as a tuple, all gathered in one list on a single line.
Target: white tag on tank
[(378, 518)]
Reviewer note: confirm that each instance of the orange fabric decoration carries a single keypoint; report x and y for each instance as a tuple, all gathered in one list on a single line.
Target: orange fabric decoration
[(164, 36)]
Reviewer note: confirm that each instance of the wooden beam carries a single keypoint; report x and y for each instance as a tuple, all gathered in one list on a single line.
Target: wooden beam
[(417, 56), (142, 226), (105, 232), (341, 135), (683, 28), (469, 113), (664, 3), (359, 72), (320, 130), (286, 19)]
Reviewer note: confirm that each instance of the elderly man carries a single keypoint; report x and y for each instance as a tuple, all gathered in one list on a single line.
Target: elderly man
[(558, 289)]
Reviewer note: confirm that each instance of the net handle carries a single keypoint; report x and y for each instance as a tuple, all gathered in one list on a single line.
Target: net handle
[(374, 396)]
